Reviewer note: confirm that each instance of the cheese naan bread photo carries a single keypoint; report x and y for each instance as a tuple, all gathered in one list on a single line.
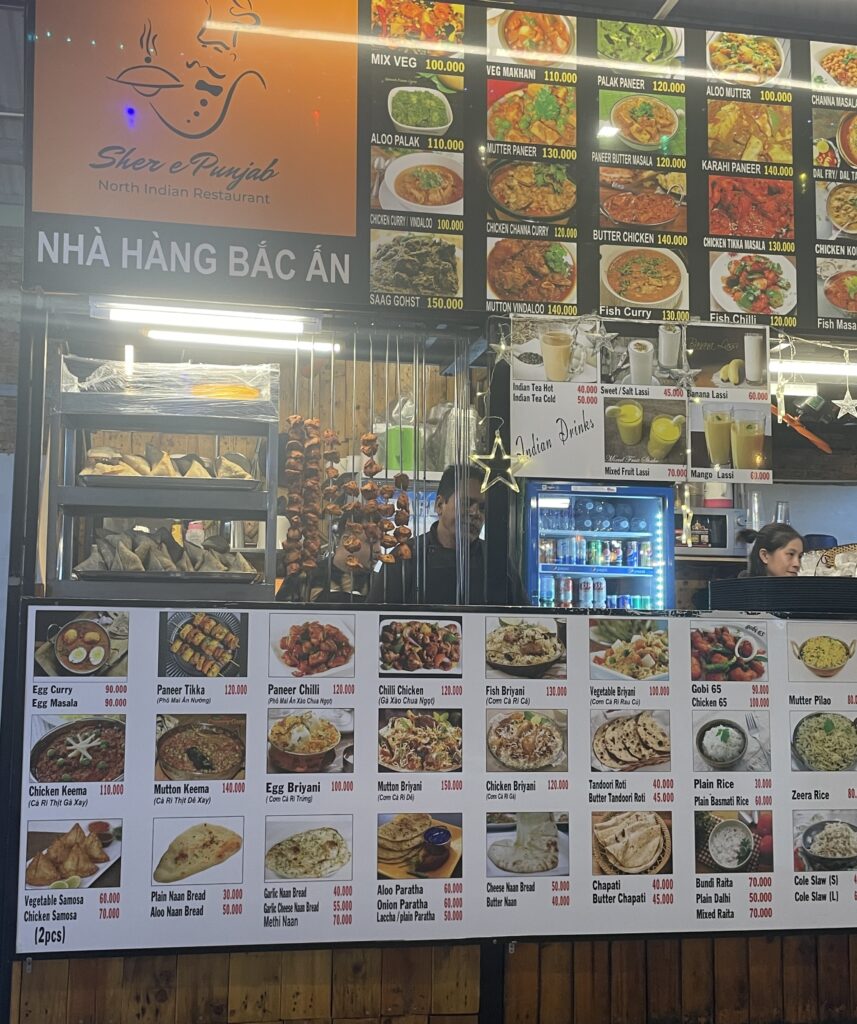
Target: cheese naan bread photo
[(535, 845), (308, 847), (202, 849)]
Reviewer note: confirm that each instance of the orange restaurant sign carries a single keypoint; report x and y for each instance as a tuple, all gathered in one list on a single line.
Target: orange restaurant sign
[(230, 114)]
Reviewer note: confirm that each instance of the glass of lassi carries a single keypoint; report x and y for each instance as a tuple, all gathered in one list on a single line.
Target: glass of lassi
[(629, 421), (669, 346), (748, 439), (556, 340), (717, 423), (663, 435)]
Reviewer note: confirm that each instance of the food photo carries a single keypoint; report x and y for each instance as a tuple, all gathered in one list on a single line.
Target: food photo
[(526, 741), (822, 654), (728, 357), (632, 843), (420, 647), (757, 132), (636, 649), (834, 64), (320, 740), (311, 647), (210, 645), (527, 270), (658, 49), (420, 740), (429, 265), (750, 207), (531, 648), (644, 199), (642, 122), (530, 37), (836, 287), (197, 748), (740, 841), (430, 21), (744, 282), (532, 844), (533, 114), (823, 741), (623, 742), (77, 748), (419, 846), (724, 435), (835, 210), (73, 854), (729, 653), (651, 279), (81, 643), (208, 850), (409, 181), (743, 59), (533, 191), (313, 847), (549, 349), (731, 740), (824, 840), (645, 430)]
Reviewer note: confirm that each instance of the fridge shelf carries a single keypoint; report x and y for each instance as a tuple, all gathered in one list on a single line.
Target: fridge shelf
[(558, 569), (599, 534)]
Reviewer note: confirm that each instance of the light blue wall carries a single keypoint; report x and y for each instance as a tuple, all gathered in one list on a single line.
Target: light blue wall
[(821, 508)]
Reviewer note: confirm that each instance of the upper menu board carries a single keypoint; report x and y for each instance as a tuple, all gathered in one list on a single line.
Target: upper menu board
[(443, 157), (318, 775)]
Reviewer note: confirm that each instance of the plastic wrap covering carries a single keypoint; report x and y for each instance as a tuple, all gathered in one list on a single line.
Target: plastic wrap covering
[(176, 389)]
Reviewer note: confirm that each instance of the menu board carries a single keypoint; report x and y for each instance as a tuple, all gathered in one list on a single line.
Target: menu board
[(319, 776), (405, 155), (645, 401)]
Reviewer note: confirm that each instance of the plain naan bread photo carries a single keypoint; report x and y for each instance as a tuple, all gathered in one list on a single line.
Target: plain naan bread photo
[(198, 848), (316, 853)]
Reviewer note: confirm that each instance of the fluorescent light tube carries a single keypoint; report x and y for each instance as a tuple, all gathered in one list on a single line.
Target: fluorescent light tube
[(205, 319), (812, 367), (242, 341)]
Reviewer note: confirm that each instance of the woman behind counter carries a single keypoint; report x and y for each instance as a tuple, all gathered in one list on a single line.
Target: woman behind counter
[(777, 550)]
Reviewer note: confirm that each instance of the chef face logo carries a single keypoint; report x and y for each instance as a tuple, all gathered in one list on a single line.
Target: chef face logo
[(191, 72)]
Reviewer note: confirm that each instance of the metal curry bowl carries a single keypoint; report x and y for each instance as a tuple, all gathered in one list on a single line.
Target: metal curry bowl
[(715, 724), (186, 775), (825, 673), (295, 761)]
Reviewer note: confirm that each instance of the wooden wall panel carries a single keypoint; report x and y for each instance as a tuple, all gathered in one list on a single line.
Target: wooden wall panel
[(725, 979), (555, 983)]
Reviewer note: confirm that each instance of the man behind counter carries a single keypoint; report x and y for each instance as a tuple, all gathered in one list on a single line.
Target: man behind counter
[(436, 552)]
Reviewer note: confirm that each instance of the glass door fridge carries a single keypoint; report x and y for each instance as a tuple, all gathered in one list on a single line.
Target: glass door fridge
[(590, 546)]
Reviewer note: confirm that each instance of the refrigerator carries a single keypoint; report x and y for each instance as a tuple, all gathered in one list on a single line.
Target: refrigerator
[(601, 547)]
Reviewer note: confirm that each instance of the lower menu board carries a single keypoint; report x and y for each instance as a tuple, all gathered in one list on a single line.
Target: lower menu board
[(248, 777)]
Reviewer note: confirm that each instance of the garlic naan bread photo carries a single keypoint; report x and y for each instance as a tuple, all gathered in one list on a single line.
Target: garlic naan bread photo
[(201, 846), (308, 847)]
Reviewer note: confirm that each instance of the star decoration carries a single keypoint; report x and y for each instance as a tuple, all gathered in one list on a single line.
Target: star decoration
[(684, 377), (496, 465), (847, 405), (502, 351)]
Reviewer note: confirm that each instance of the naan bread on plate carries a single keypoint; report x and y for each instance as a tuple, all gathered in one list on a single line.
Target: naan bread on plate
[(534, 848), (316, 853), (198, 848)]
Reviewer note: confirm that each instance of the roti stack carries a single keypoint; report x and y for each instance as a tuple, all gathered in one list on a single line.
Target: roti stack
[(316, 853), (631, 843), (534, 848), (400, 839), (623, 744), (196, 849)]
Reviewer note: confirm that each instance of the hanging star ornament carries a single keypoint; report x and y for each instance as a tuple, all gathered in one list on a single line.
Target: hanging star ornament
[(496, 465), (502, 350), (847, 405), (684, 377)]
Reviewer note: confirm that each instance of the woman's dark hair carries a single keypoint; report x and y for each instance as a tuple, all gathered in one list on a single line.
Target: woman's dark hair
[(770, 538)]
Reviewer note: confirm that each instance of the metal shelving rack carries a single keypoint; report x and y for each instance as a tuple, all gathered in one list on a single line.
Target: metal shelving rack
[(72, 415)]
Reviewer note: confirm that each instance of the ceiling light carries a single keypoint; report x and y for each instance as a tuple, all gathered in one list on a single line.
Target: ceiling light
[(810, 367), (206, 319), (795, 390), (243, 341)]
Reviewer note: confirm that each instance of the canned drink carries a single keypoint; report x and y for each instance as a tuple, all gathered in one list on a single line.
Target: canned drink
[(637, 602), (547, 550), (615, 552), (546, 591), (631, 554), (647, 602), (584, 592), (593, 552), (599, 592), (624, 602), (567, 551), (644, 558), (565, 592), (612, 601), (579, 550), (605, 552)]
